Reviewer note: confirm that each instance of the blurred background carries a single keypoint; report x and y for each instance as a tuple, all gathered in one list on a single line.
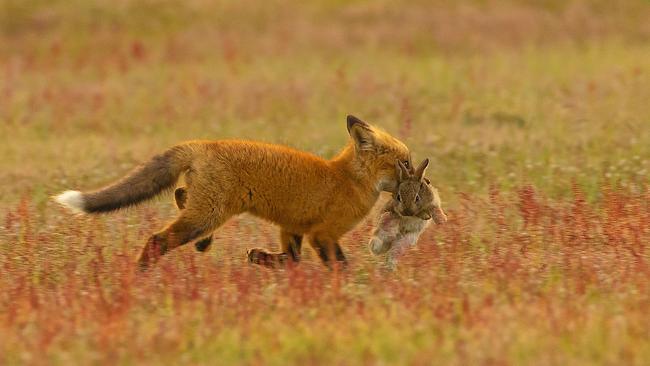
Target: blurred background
[(494, 91)]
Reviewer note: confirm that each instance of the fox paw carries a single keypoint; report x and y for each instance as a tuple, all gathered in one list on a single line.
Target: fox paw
[(263, 258)]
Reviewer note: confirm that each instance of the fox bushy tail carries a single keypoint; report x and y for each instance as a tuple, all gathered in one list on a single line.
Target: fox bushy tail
[(142, 183)]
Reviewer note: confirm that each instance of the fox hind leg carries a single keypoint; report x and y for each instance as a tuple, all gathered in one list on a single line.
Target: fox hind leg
[(264, 258), (204, 244), (180, 196), (188, 226)]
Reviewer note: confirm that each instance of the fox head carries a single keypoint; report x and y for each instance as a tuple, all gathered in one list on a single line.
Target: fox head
[(376, 151)]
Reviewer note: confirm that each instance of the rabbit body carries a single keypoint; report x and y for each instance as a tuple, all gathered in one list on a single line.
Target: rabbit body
[(395, 234), (415, 202)]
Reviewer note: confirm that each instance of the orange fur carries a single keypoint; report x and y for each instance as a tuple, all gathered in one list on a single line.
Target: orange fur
[(302, 193)]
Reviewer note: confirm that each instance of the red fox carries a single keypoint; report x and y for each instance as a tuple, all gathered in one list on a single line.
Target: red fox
[(302, 193)]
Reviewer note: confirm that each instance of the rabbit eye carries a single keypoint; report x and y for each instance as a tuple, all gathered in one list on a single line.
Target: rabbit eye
[(406, 164), (399, 198), (417, 198)]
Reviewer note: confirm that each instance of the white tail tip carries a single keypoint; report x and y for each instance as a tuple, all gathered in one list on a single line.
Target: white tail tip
[(72, 200)]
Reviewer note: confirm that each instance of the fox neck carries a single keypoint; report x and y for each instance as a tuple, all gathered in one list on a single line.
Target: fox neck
[(361, 171)]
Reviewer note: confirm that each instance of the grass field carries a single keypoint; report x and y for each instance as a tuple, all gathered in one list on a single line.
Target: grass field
[(534, 113)]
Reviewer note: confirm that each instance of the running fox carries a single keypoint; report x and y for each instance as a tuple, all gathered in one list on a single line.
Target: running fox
[(302, 193)]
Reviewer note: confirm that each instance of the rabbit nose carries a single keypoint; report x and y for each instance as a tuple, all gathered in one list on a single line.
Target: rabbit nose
[(407, 212)]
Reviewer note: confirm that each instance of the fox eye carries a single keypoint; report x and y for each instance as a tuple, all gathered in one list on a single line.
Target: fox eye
[(399, 198)]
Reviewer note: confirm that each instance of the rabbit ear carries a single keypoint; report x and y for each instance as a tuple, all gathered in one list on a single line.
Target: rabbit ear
[(403, 171), (419, 172)]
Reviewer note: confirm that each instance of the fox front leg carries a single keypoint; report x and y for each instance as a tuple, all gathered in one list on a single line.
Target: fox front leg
[(290, 245), (329, 251)]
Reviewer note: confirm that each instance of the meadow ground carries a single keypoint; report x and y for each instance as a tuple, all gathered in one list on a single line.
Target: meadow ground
[(535, 115)]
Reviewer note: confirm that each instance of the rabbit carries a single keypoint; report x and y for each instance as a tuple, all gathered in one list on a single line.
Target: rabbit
[(414, 203)]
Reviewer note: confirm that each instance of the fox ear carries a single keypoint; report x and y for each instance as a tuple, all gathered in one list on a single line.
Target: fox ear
[(361, 133), (419, 172), (399, 171), (354, 121)]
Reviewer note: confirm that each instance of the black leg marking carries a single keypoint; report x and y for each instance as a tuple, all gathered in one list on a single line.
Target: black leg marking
[(180, 194), (340, 257), (339, 254), (322, 252), (203, 244), (295, 247)]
